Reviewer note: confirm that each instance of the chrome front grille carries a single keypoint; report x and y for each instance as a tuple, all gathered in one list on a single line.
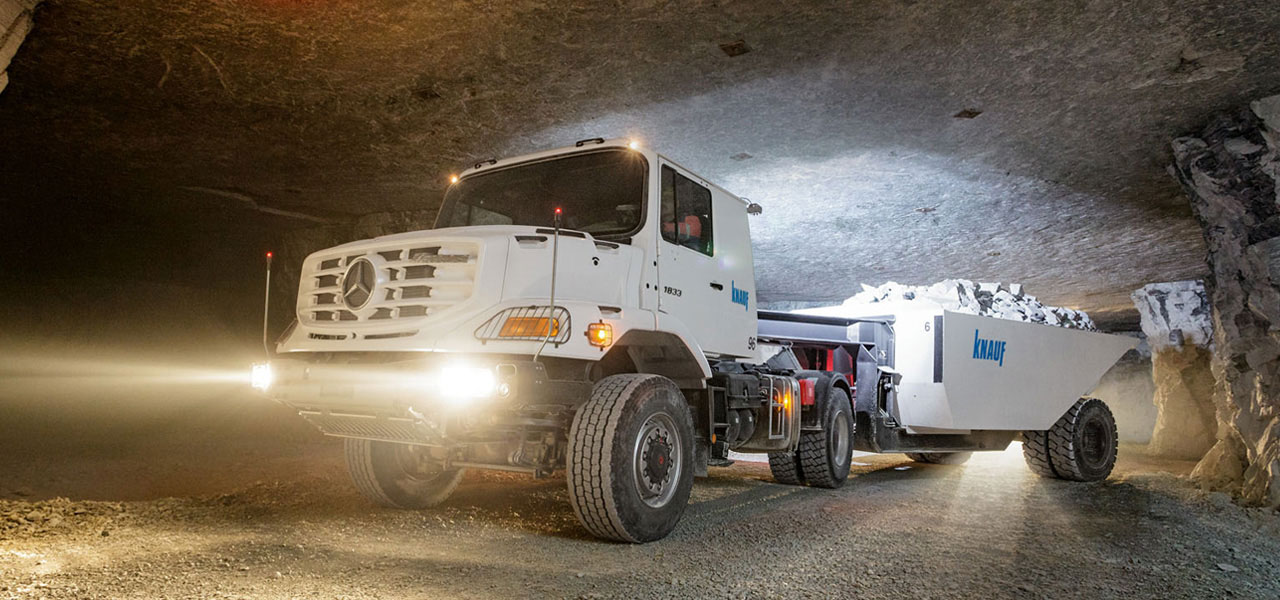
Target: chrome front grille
[(412, 281)]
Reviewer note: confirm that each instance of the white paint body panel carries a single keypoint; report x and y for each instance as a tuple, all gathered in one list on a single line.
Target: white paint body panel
[(1045, 370), (721, 326)]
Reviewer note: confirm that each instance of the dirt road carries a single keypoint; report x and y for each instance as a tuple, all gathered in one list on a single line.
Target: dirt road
[(988, 530), (157, 476)]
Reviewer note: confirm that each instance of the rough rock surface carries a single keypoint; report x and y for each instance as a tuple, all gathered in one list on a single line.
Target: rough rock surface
[(1185, 426), (1230, 171), (1174, 313), (1176, 319), (960, 295), (15, 24), (996, 140)]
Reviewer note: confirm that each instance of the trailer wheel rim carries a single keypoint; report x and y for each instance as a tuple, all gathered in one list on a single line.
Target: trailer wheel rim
[(658, 460), (840, 438), (1095, 444)]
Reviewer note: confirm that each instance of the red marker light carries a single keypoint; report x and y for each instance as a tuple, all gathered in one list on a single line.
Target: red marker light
[(557, 210), (269, 255)]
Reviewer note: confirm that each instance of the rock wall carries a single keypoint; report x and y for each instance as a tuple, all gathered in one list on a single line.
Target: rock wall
[(1230, 172), (1176, 318), (15, 24)]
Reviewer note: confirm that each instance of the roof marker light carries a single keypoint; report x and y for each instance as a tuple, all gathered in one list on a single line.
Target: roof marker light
[(453, 179), (634, 145)]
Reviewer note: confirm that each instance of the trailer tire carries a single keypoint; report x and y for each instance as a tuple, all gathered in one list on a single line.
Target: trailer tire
[(940, 458), (1035, 450), (630, 460), (1081, 446), (785, 467), (826, 455), (391, 475)]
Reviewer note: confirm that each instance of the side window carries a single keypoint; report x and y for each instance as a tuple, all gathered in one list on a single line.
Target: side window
[(686, 212)]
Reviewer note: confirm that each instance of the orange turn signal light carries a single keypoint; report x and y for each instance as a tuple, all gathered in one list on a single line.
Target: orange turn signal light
[(523, 327), (600, 335)]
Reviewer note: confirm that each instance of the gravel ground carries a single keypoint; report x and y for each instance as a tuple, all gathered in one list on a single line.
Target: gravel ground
[(988, 529)]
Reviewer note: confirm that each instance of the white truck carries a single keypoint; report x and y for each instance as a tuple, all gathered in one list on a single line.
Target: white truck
[(592, 309)]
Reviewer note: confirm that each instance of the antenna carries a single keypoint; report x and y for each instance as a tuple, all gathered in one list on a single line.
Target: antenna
[(551, 306), (266, 307)]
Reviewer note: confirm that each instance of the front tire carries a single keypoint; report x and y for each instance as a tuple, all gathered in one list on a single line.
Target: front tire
[(630, 462), (1081, 446), (399, 475)]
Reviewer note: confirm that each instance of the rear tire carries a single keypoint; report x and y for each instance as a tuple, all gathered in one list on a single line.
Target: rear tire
[(630, 462), (398, 475), (825, 456), (785, 467), (1081, 446), (941, 458)]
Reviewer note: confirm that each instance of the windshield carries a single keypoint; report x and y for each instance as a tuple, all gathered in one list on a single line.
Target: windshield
[(601, 193)]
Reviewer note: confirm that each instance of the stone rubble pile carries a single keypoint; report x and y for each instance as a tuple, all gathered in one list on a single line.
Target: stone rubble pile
[(20, 519), (961, 295)]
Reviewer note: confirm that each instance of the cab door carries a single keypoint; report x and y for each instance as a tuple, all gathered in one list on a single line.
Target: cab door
[(693, 288)]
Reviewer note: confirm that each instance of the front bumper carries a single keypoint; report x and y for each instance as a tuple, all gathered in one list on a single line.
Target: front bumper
[(406, 400)]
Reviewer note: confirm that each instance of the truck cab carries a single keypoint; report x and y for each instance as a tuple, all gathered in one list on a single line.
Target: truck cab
[(643, 245)]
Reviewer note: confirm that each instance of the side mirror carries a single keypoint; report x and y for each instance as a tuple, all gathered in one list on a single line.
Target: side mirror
[(754, 209)]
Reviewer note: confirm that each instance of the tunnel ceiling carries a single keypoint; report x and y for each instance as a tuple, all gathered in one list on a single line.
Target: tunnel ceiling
[(908, 141)]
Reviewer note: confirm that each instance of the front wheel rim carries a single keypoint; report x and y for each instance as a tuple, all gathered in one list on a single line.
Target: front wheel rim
[(658, 460), (415, 463)]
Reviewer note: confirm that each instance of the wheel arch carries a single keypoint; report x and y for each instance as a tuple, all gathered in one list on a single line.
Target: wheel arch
[(667, 353), (825, 383)]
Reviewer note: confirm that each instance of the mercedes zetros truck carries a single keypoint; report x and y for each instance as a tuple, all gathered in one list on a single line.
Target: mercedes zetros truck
[(592, 310)]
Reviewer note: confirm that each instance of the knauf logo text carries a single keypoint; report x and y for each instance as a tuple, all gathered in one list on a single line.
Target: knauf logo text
[(992, 350), (739, 296)]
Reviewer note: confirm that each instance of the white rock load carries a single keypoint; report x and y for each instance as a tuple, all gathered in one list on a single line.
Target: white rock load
[(957, 295), (1175, 313)]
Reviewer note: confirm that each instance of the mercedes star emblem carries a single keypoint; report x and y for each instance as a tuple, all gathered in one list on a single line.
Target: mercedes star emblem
[(357, 284)]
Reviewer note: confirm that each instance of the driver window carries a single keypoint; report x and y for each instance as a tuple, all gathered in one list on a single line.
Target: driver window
[(686, 212)]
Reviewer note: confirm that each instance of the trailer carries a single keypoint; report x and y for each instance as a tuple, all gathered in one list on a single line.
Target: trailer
[(1007, 379), (592, 310)]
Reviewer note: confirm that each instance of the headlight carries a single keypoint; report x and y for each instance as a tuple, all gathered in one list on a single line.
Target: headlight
[(261, 376), (465, 383)]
